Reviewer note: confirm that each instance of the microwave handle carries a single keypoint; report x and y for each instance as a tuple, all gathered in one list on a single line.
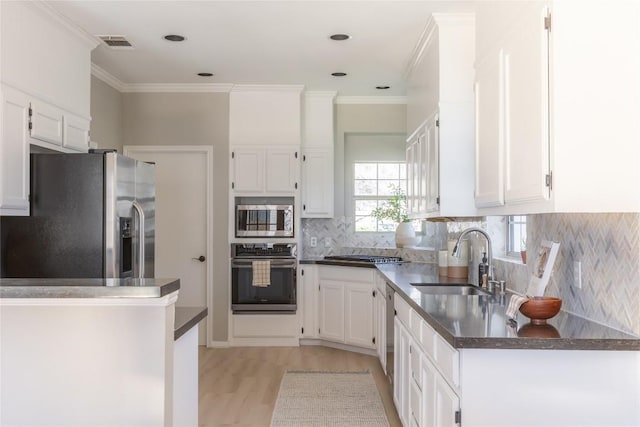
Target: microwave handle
[(140, 212)]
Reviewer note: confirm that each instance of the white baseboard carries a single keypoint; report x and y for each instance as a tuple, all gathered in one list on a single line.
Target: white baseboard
[(339, 346), (218, 344), (265, 342)]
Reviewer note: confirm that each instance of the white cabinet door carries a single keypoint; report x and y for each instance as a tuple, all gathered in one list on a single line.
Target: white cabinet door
[(317, 183), (46, 122), (76, 133), (247, 166), (402, 371), (359, 314), (309, 298), (422, 164), (14, 153), (447, 404), (281, 170), (431, 166), (331, 314), (526, 112), (428, 393), (381, 328), (489, 186)]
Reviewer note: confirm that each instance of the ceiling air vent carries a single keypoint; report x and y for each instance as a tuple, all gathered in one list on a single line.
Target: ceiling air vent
[(116, 42)]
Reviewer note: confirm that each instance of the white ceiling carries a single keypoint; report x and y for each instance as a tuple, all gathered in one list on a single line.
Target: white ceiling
[(260, 42)]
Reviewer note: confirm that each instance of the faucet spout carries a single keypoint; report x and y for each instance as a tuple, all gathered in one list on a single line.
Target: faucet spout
[(456, 249)]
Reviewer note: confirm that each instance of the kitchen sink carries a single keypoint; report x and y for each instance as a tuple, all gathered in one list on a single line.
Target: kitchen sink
[(447, 289)]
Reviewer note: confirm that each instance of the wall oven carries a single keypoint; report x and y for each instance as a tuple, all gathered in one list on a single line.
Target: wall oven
[(264, 217), (279, 262)]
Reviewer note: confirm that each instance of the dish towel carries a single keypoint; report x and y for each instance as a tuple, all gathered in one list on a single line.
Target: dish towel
[(514, 304), (261, 273)]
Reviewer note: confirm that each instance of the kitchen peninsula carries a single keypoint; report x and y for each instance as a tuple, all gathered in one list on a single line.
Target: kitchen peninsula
[(78, 352)]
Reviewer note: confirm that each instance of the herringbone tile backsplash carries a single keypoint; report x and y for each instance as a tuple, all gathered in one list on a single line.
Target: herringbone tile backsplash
[(607, 245)]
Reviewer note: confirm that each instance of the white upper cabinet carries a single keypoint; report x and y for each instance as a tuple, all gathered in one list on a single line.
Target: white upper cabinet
[(46, 56), (556, 129), (440, 119), (317, 155), (265, 115), (260, 170), (75, 133)]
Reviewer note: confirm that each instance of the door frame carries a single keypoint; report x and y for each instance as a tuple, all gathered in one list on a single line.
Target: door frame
[(208, 151)]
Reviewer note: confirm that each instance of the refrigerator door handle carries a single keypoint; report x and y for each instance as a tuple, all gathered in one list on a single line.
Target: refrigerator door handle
[(140, 212)]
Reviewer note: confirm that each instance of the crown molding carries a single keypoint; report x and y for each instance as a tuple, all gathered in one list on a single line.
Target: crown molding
[(178, 88), (390, 100), (46, 9), (267, 88), (107, 77), (320, 94), (434, 20)]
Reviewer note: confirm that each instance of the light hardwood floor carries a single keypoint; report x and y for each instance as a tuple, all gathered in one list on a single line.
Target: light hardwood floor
[(239, 386)]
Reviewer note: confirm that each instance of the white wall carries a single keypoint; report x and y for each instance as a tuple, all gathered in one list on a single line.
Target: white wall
[(106, 115)]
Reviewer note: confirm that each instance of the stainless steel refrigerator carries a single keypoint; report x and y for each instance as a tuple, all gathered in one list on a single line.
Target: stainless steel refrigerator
[(92, 215)]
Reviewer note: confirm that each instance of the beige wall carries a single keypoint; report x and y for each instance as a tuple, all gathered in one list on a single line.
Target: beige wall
[(176, 119), (106, 115), (362, 119)]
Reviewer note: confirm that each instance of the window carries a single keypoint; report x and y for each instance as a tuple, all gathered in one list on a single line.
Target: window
[(516, 234), (373, 185)]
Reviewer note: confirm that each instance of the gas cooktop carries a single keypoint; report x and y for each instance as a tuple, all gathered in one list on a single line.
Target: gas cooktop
[(375, 259)]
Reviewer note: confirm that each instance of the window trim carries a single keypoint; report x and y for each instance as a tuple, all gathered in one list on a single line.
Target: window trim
[(509, 223)]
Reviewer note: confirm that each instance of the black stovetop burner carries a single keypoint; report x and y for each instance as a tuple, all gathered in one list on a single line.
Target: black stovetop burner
[(377, 259)]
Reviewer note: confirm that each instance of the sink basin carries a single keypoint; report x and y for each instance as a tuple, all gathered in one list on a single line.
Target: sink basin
[(445, 289)]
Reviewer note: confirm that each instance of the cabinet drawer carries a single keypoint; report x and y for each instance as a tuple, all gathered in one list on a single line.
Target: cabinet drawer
[(403, 311), (448, 361), (414, 404), (346, 274), (427, 338)]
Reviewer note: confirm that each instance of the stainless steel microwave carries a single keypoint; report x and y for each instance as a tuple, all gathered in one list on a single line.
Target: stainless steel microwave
[(272, 219)]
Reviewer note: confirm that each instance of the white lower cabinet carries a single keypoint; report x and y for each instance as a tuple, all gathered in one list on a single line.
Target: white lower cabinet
[(425, 367), (308, 301), (346, 305), (331, 310), (380, 321)]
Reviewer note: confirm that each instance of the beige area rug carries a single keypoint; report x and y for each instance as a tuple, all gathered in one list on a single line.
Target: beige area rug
[(328, 399)]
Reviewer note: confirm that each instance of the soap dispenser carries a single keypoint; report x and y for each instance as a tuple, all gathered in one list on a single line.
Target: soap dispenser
[(483, 268)]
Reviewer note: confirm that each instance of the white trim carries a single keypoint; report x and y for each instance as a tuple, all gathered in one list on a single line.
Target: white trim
[(103, 301), (208, 151), (320, 94), (177, 87), (108, 78), (267, 88), (218, 344), (371, 100), (340, 346), (265, 342), (73, 28)]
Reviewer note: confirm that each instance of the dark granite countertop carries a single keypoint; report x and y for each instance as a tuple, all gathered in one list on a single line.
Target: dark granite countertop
[(87, 288), (187, 318), (480, 321), (321, 261)]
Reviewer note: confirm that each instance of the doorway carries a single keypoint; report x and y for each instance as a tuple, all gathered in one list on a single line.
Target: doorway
[(184, 220)]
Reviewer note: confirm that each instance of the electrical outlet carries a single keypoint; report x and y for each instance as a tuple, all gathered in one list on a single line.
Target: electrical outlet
[(313, 242), (327, 242), (577, 274)]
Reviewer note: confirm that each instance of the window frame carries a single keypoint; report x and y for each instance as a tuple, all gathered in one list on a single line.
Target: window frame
[(512, 221)]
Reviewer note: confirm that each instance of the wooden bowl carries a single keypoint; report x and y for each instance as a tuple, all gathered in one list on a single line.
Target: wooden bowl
[(539, 309)]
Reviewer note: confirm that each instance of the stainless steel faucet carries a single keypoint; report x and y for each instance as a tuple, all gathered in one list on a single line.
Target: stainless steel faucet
[(456, 249)]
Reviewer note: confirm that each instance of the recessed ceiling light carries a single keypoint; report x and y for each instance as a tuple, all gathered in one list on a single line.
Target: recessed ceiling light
[(382, 87), (174, 38), (340, 37), (205, 74), (339, 74)]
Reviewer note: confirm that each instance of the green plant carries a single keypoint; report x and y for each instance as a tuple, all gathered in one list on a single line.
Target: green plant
[(394, 209)]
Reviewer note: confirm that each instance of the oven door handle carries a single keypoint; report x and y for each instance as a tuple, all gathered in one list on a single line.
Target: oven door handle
[(249, 264)]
